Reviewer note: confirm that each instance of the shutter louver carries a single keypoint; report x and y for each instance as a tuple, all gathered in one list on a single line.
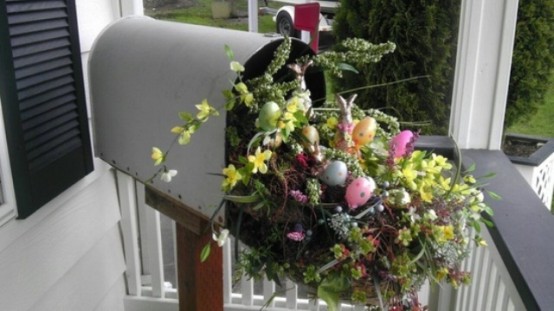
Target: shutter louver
[(43, 100)]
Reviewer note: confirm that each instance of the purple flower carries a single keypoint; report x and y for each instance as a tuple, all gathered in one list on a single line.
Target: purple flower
[(297, 234), (298, 196)]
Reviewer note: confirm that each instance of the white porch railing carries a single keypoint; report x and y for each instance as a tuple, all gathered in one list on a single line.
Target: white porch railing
[(492, 287), (540, 178)]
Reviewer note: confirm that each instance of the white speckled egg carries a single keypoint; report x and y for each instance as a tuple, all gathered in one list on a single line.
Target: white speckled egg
[(335, 173)]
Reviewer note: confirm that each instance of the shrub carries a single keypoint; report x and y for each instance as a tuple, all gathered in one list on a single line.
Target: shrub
[(425, 34), (532, 61)]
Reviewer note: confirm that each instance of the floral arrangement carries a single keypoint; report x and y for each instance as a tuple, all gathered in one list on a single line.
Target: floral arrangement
[(334, 196)]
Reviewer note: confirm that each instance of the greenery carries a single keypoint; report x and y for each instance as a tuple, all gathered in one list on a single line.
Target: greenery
[(200, 14), (540, 123), (425, 35), (532, 64), (335, 196)]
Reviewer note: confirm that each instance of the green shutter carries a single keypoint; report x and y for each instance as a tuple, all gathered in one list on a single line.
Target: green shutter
[(43, 99)]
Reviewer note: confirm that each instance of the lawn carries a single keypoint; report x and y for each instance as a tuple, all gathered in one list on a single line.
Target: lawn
[(201, 14), (541, 124)]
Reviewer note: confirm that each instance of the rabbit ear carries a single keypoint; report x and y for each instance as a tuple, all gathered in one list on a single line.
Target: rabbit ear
[(341, 102), (351, 99)]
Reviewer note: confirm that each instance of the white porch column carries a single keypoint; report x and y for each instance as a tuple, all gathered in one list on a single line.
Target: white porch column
[(484, 56), (253, 15), (131, 7)]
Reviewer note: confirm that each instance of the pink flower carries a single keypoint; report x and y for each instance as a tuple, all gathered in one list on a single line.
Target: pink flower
[(297, 234), (298, 196), (346, 127), (402, 144)]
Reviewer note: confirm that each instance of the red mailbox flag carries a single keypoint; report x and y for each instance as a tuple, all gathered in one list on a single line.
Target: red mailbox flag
[(306, 17)]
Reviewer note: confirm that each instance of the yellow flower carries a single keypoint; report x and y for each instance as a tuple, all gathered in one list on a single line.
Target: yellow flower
[(441, 273), (157, 155), (426, 193), (444, 183), (205, 110), (184, 137), (410, 174), (442, 161), (248, 99), (443, 233), (241, 88), (448, 232), (292, 105), (332, 123), (177, 130), (232, 177), (258, 159), (469, 179), (481, 242)]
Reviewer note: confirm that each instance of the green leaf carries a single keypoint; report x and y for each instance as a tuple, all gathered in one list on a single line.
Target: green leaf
[(205, 253), (494, 195), (229, 52), (347, 67), (487, 222), (242, 198), (489, 210), (488, 175), (186, 116), (471, 168), (477, 226), (331, 288)]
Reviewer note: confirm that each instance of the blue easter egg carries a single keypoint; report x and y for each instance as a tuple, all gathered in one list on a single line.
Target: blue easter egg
[(335, 173)]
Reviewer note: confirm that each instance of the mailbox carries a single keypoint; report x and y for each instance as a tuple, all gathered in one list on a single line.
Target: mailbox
[(142, 72)]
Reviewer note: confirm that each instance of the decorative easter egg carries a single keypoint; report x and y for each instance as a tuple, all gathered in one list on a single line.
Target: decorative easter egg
[(399, 143), (311, 135), (364, 131), (269, 116), (335, 173), (359, 191)]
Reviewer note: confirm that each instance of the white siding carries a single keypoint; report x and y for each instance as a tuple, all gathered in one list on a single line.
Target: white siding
[(68, 255)]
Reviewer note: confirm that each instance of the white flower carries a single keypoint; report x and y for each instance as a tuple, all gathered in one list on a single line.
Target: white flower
[(236, 66), (431, 215), (168, 175), (221, 238)]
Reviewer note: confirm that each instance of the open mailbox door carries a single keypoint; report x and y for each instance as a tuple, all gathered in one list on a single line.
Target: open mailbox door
[(143, 72)]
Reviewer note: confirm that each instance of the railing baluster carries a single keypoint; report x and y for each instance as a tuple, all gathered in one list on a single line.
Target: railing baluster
[(477, 265), (247, 290), (313, 305), (291, 295), (492, 288), (269, 291), (129, 226), (501, 297), (227, 272), (483, 276), (153, 243)]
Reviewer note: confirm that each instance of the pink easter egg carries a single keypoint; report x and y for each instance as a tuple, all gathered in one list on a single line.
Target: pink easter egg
[(399, 143), (359, 191)]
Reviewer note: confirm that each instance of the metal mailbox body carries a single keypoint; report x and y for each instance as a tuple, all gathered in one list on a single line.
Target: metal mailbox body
[(142, 73)]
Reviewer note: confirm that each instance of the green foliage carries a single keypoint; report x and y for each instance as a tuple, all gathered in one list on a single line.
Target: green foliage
[(532, 61), (425, 35)]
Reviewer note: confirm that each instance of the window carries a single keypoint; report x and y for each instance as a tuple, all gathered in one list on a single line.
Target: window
[(43, 100)]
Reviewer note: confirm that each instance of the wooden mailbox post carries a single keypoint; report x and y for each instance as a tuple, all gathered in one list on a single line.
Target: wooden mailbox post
[(142, 73)]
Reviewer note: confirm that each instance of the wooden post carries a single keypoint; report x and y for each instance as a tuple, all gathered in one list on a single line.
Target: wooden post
[(200, 285)]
